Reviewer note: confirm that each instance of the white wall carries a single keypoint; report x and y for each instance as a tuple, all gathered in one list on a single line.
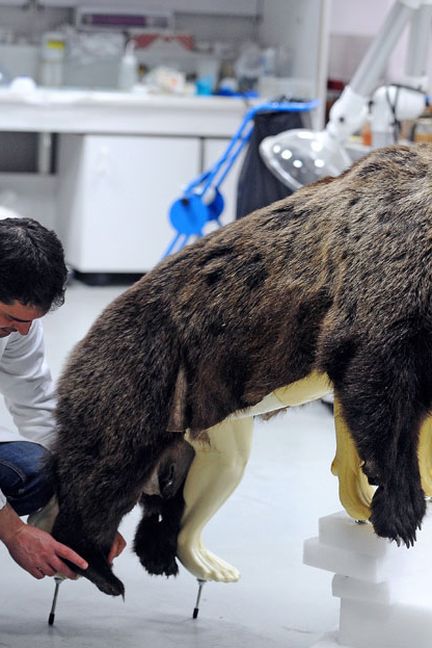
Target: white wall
[(302, 25), (31, 22), (353, 24), (358, 17), (30, 195), (295, 23)]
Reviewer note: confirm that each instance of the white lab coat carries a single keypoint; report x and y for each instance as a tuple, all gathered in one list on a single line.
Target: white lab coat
[(27, 387)]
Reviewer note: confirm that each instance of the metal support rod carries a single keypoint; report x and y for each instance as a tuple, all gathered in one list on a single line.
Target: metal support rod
[(44, 153), (418, 44), (58, 581), (368, 73), (201, 584)]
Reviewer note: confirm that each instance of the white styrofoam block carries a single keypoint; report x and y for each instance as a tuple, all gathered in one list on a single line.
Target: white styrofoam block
[(341, 534), (407, 572), (413, 590), (353, 588), (329, 640), (385, 590), (371, 625), (341, 561), (339, 530)]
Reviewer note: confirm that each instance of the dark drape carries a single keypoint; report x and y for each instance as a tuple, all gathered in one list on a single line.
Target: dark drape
[(257, 186)]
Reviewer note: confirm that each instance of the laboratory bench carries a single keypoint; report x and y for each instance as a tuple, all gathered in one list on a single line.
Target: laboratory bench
[(114, 112), (109, 164)]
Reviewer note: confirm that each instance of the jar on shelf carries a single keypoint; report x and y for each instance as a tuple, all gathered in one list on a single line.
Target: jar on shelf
[(422, 129)]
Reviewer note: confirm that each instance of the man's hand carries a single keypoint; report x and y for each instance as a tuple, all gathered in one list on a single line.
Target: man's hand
[(117, 547), (35, 550)]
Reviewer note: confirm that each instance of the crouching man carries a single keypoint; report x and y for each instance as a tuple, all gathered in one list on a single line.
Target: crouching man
[(32, 282)]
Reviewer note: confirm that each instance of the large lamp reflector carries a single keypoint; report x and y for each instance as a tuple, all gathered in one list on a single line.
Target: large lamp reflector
[(300, 156)]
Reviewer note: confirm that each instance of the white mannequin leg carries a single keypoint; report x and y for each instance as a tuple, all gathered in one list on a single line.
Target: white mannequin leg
[(355, 492), (45, 518), (218, 468), (214, 474)]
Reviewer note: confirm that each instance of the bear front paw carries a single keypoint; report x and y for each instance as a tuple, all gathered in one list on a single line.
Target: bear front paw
[(156, 547), (397, 512)]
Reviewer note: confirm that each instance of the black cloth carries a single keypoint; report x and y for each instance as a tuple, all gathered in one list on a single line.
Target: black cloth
[(257, 186)]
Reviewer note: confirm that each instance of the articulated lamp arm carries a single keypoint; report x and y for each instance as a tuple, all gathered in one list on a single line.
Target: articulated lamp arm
[(299, 156)]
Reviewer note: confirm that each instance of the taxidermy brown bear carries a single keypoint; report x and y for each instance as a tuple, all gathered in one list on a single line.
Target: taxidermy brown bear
[(336, 278)]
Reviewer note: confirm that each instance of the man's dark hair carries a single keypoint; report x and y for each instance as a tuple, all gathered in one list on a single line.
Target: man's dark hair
[(32, 266)]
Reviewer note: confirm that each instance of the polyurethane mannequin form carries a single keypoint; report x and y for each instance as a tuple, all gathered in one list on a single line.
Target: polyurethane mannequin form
[(217, 469), (219, 465)]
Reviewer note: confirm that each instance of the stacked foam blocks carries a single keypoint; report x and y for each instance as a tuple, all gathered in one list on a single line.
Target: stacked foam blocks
[(385, 590)]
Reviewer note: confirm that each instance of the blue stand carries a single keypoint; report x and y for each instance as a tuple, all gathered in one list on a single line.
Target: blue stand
[(202, 200)]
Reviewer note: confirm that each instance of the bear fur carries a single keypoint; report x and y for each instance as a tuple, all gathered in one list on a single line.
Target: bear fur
[(336, 278)]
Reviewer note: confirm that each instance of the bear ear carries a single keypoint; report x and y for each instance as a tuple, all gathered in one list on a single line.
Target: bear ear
[(173, 468), (177, 417), (151, 487), (170, 470)]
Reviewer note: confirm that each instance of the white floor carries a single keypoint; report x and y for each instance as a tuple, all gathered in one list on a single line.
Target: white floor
[(279, 602)]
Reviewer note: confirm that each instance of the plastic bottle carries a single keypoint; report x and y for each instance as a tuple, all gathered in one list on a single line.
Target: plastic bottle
[(128, 72), (51, 59)]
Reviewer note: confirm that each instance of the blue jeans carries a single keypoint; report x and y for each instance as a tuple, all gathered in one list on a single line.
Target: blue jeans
[(22, 478)]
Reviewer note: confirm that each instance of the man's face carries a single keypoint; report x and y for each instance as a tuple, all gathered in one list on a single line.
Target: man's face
[(17, 317)]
